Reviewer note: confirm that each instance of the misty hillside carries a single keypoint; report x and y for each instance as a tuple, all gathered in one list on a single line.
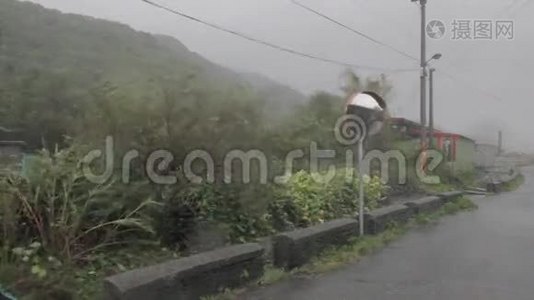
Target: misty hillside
[(88, 52)]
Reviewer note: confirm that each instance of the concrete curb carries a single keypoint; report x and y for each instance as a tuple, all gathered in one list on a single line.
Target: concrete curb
[(190, 277), (450, 196), (377, 221), (294, 249), (426, 205)]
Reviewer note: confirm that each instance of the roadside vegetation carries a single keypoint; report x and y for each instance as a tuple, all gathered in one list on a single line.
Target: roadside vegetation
[(60, 235), (515, 184)]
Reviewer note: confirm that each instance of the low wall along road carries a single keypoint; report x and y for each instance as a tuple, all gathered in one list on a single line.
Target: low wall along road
[(211, 272)]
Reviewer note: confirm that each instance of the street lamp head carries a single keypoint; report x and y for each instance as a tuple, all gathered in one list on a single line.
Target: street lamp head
[(436, 56)]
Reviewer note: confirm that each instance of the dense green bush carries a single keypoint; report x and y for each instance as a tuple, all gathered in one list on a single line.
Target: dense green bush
[(72, 218), (251, 211), (241, 210), (304, 201), (68, 216)]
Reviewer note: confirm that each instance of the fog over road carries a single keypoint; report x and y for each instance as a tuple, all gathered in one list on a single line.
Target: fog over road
[(484, 254)]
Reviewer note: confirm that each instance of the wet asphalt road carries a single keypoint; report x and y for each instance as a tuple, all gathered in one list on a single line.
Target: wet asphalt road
[(485, 254)]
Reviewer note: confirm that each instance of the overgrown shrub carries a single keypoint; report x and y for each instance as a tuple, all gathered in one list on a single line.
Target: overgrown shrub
[(303, 201), (68, 216), (241, 210), (249, 211)]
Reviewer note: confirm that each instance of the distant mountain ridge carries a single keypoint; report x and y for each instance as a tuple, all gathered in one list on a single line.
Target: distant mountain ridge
[(36, 38)]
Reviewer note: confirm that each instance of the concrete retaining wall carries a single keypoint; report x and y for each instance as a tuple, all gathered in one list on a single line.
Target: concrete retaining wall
[(295, 248), (211, 272), (494, 187), (190, 277), (377, 221), (450, 196), (426, 204)]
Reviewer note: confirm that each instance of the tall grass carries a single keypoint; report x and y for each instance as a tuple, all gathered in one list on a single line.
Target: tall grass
[(69, 216)]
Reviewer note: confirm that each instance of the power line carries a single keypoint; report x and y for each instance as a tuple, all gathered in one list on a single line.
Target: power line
[(311, 56), (354, 30), (272, 45), (479, 90), (513, 8), (467, 84)]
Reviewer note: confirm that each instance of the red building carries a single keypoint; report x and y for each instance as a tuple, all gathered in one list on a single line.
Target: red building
[(456, 147)]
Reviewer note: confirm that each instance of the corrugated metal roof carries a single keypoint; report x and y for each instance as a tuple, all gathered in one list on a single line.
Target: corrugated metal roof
[(416, 128)]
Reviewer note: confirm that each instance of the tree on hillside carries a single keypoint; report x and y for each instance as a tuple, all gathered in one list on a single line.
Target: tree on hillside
[(352, 83)]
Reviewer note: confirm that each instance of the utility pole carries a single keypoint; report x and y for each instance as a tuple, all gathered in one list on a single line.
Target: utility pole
[(424, 75), (423, 72), (500, 143), (431, 107)]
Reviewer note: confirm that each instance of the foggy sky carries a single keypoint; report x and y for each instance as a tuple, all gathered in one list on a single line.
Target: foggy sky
[(502, 68)]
